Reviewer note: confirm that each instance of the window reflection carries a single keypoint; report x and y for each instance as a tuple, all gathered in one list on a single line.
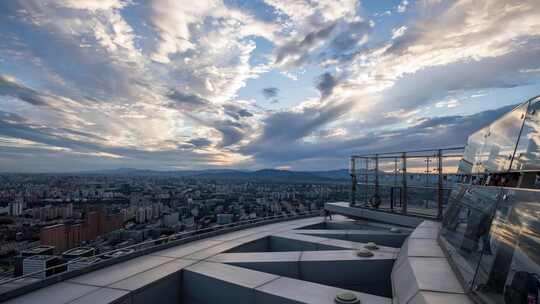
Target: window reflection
[(500, 141), (493, 235), (527, 155), (509, 271), (472, 152), (491, 148), (467, 224), (492, 224)]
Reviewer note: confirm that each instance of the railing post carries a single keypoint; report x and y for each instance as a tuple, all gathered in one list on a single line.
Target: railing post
[(377, 197), (394, 188), (428, 160), (440, 185), (366, 197), (404, 192), (392, 199), (395, 171), (352, 172)]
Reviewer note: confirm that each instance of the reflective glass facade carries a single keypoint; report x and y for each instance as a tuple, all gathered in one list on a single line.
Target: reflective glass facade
[(493, 237), (510, 143), (491, 227), (527, 156)]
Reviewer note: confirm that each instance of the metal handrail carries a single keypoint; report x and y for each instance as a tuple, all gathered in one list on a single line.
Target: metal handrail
[(401, 186), (173, 237), (410, 151), (372, 156), (438, 154)]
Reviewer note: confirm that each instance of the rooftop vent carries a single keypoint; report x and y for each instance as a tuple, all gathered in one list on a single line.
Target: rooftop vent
[(347, 298)]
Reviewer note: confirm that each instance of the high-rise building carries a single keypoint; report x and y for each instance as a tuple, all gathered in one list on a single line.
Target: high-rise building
[(16, 208), (141, 216), (224, 218), (36, 266), (71, 234), (171, 219), (39, 250), (54, 236)]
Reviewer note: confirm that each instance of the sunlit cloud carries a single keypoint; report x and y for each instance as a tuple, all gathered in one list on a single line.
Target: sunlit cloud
[(280, 84)]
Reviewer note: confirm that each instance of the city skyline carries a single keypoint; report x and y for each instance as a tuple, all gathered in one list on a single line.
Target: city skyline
[(90, 85)]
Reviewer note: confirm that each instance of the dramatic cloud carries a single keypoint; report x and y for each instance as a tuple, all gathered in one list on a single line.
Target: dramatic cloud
[(402, 7), (436, 82), (200, 142), (270, 92), (436, 132), (231, 133), (236, 111), (289, 127), (321, 28), (161, 84), (326, 84), (353, 34), (296, 52), (398, 32), (9, 87), (190, 100)]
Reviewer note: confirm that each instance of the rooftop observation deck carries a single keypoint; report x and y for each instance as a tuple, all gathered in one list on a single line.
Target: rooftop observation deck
[(308, 260), (472, 240)]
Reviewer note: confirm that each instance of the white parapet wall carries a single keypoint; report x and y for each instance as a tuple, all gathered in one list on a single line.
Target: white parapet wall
[(422, 272)]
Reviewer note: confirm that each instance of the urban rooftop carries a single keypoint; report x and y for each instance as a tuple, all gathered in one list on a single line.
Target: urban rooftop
[(270, 151), (471, 238)]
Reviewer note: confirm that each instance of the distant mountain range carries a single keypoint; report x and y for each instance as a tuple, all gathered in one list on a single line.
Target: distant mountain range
[(271, 175)]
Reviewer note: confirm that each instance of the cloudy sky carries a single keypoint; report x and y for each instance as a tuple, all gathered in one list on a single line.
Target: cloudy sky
[(250, 84)]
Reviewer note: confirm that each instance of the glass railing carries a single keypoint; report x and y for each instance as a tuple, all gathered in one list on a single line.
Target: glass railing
[(491, 149), (511, 144), (416, 183), (527, 155), (492, 236), (511, 256), (491, 228), (466, 226)]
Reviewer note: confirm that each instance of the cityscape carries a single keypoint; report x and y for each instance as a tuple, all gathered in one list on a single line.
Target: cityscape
[(93, 213), (270, 151), (106, 212)]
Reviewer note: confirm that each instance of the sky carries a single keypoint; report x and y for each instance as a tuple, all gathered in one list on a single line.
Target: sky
[(252, 84)]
